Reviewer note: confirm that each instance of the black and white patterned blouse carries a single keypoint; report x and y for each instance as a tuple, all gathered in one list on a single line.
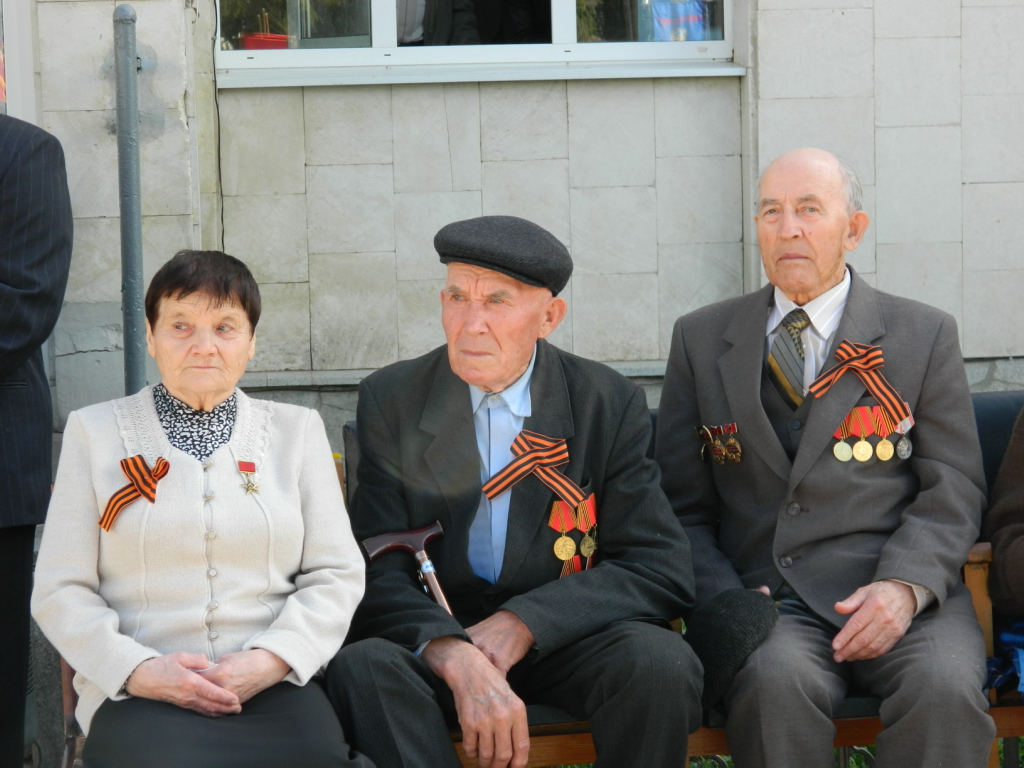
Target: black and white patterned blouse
[(197, 433)]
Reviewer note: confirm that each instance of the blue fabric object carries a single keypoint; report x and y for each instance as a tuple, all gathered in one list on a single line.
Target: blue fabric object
[(497, 419), (679, 21)]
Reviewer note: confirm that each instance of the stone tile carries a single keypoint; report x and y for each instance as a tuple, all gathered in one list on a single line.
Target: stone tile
[(992, 149), (991, 50), (979, 3), (692, 276), (928, 272), (810, 5), (419, 317), (86, 379), (863, 259), (697, 116), (422, 159), (268, 233), (337, 408), (919, 197), (815, 54), (845, 127), (350, 208), (917, 81), (523, 121), (418, 217), (262, 141), (917, 18), (96, 258), (615, 317), (992, 303), (165, 156), (993, 226), (611, 133), (93, 327), (347, 125), (699, 200), (353, 309), (462, 110), (537, 190), (282, 336), (79, 76), (614, 230), (161, 33), (90, 149)]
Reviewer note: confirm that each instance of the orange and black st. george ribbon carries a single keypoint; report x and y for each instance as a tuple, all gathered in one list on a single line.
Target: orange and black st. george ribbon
[(141, 485), (865, 361), (537, 454)]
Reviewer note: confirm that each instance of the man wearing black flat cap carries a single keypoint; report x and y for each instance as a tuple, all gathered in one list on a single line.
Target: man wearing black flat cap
[(561, 559)]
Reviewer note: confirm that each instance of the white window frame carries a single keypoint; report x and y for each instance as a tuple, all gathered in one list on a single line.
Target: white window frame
[(562, 59)]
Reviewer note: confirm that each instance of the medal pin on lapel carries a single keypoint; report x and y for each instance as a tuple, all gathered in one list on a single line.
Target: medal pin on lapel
[(248, 469)]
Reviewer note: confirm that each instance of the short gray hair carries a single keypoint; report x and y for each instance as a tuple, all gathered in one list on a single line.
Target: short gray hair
[(852, 189)]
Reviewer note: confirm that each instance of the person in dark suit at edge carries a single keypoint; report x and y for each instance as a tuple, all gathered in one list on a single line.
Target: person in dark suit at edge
[(533, 620), (852, 499), (35, 254)]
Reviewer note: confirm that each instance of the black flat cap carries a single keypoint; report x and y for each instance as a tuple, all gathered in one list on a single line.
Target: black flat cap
[(510, 245)]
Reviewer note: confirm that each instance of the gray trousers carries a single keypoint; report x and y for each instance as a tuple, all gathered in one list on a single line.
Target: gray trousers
[(638, 684), (933, 710)]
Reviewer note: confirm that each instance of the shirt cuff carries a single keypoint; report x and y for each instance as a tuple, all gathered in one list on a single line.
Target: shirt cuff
[(419, 650), (923, 595)]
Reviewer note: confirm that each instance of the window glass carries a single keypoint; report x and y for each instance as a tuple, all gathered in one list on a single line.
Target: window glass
[(615, 21), (261, 24)]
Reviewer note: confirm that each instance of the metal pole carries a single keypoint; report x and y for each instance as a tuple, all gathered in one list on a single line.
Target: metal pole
[(126, 64)]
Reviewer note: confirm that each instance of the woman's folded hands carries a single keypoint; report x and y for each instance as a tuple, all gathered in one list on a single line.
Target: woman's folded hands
[(192, 681)]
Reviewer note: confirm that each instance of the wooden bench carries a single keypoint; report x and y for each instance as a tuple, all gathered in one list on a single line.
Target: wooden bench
[(557, 739)]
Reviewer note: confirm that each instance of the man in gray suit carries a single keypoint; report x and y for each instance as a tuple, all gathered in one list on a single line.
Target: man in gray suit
[(852, 497)]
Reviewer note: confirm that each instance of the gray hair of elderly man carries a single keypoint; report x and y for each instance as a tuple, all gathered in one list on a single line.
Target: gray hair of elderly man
[(852, 189)]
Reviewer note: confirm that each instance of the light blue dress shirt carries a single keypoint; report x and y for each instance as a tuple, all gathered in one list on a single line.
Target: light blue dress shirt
[(497, 419)]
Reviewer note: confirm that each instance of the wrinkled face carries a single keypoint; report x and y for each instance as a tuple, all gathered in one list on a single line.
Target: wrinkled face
[(492, 323), (200, 348), (803, 226)]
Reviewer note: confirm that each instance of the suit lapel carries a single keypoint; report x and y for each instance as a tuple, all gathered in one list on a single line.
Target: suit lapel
[(740, 368), (551, 415), (861, 324), (453, 459)]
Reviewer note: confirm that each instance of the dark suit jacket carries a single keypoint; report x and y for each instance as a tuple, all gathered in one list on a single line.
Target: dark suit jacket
[(35, 253), (912, 520), (419, 463), (1004, 527), (450, 22)]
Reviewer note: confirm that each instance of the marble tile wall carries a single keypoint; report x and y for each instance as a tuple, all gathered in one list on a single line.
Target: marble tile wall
[(924, 98), (338, 192)]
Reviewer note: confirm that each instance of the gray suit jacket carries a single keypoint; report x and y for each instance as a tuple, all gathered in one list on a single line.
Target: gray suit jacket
[(913, 520)]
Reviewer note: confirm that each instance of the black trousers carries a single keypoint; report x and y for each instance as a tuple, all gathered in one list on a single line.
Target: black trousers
[(282, 727), (15, 593), (638, 684)]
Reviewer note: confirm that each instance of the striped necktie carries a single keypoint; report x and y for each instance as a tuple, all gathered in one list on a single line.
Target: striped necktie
[(786, 358)]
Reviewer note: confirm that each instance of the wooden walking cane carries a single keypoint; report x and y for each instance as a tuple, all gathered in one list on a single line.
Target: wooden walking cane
[(414, 542)]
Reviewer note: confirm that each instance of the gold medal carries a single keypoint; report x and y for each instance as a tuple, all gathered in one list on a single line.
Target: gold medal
[(733, 450), (884, 450), (862, 450), (565, 547), (842, 451), (718, 452), (588, 546)]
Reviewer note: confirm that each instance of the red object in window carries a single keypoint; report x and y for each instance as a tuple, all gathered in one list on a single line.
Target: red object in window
[(258, 41)]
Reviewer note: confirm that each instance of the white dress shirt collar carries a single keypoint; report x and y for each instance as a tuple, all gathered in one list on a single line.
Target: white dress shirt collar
[(825, 311)]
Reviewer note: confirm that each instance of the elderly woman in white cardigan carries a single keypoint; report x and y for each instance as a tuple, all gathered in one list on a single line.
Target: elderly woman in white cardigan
[(197, 567)]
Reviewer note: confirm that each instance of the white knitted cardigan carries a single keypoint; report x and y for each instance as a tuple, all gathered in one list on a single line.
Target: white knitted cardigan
[(207, 568)]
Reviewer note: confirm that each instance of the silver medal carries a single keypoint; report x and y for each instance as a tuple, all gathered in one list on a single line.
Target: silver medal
[(904, 447)]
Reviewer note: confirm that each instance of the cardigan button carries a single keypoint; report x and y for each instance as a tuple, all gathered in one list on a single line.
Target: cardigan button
[(207, 497), (213, 606), (214, 635), (212, 572), (211, 534)]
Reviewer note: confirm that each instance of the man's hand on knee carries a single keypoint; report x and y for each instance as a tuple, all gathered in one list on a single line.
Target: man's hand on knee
[(882, 612), (503, 638), (492, 717)]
